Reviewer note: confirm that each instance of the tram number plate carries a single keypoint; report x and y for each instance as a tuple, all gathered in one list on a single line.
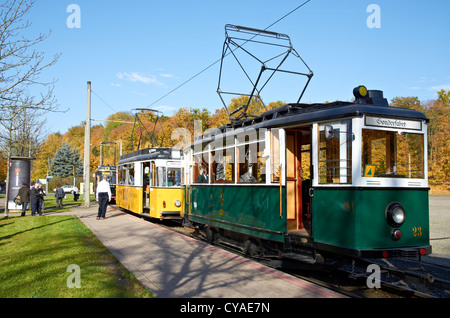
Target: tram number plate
[(417, 231)]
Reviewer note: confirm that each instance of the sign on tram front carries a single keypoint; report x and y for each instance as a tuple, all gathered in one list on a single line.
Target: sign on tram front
[(393, 123)]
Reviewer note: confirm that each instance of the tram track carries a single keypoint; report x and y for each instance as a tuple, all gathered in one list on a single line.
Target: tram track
[(348, 280)]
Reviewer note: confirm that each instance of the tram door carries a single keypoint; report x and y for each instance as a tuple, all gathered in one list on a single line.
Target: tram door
[(146, 184), (298, 159)]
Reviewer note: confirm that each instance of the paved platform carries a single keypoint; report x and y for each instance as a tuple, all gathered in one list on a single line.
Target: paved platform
[(173, 265), (439, 230)]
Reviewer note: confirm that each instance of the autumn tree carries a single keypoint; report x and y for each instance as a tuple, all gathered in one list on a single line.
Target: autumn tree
[(438, 142), (45, 151), (120, 127), (438, 112)]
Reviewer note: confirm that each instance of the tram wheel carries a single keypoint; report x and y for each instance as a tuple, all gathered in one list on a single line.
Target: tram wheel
[(210, 234), (250, 248)]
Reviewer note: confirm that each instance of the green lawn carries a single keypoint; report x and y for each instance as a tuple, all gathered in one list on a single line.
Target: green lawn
[(50, 204), (35, 253), (68, 202)]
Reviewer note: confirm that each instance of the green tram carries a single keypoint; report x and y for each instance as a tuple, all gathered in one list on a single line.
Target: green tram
[(309, 181)]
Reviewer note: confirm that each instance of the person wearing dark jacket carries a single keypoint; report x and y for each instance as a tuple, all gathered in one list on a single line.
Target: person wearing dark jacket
[(34, 198), (59, 195), (37, 194), (24, 197)]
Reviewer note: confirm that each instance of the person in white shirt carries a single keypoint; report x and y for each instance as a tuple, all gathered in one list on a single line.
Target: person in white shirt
[(103, 196)]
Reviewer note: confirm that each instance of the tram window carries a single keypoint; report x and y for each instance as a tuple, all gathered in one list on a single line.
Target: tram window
[(130, 174), (120, 176), (161, 177), (223, 165), (126, 175), (306, 161), (152, 174), (146, 174), (112, 179), (335, 161), (173, 177), (275, 154), (251, 163), (200, 173), (392, 155)]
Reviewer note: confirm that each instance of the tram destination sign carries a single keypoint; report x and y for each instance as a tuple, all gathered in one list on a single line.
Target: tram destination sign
[(393, 123)]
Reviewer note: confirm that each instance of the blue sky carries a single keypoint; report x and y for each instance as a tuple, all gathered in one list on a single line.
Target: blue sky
[(135, 52)]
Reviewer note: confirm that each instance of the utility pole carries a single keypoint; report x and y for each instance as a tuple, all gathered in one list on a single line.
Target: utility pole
[(87, 150)]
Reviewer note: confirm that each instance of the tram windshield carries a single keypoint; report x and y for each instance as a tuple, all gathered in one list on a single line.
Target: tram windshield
[(111, 177), (392, 154), (167, 177), (335, 152)]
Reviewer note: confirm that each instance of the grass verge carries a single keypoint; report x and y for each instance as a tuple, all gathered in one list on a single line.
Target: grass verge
[(36, 253), (50, 205)]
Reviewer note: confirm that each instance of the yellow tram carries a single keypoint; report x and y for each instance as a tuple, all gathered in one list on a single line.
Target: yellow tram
[(150, 182)]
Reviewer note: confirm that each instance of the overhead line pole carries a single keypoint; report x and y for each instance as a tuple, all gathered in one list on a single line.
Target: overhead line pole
[(87, 150)]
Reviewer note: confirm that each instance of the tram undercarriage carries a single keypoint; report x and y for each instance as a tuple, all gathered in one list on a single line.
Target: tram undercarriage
[(296, 247)]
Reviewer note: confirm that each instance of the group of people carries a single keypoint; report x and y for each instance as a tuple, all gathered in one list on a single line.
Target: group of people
[(34, 196)]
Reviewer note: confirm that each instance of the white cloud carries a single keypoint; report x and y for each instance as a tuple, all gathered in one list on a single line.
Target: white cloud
[(138, 77), (166, 75), (115, 84), (439, 87)]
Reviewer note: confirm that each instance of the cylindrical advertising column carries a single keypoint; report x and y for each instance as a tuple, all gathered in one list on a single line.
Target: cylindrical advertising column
[(19, 173)]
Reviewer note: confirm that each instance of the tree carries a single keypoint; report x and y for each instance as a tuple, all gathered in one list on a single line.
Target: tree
[(64, 160), (408, 102), (438, 142), (438, 112), (21, 89), (20, 64), (46, 150), (22, 134), (444, 97)]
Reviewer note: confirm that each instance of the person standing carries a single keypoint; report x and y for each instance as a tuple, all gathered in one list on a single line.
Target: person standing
[(40, 198), (103, 196), (34, 198), (24, 194), (59, 195), (202, 177)]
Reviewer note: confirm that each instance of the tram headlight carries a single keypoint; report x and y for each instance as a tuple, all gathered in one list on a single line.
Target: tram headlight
[(177, 203), (360, 91), (395, 214)]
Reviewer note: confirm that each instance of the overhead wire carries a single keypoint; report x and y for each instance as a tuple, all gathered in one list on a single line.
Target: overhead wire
[(217, 61), (103, 101), (210, 65)]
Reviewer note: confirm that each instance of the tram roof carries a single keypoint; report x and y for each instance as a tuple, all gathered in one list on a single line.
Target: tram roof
[(148, 154), (298, 114)]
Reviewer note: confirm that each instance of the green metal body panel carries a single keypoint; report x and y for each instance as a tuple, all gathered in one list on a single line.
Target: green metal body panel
[(351, 218), (355, 218), (252, 210)]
